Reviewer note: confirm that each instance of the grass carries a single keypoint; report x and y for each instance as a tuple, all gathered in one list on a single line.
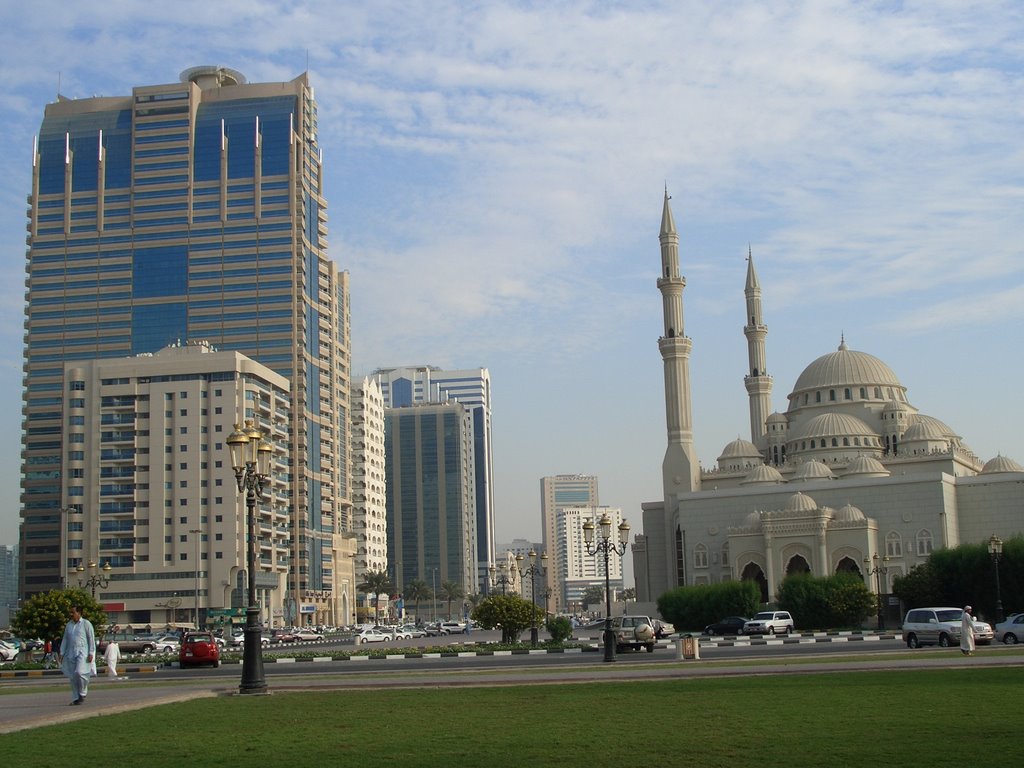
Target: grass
[(909, 718)]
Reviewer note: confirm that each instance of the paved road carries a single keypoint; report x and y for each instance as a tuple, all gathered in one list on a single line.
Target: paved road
[(35, 701)]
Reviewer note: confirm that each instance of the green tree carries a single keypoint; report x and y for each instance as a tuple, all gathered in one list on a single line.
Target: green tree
[(592, 596), (510, 612), (451, 591), (559, 627), (693, 608), (375, 583), (840, 600), (417, 590), (45, 614)]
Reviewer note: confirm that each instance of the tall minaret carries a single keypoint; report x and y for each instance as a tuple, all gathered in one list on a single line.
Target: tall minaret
[(757, 380), (680, 471)]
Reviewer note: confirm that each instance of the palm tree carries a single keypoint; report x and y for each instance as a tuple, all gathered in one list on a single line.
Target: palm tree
[(374, 583), (417, 590), (451, 591)]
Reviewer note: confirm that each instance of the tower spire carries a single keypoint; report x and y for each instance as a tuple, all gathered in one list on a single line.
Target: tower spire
[(680, 470), (757, 380)]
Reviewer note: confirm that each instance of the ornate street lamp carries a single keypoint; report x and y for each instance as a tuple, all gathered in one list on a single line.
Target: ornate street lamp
[(503, 578), (995, 549), (533, 570), (605, 543), (250, 458), (94, 579), (873, 566)]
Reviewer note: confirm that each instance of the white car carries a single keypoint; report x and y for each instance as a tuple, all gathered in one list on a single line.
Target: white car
[(7, 651), (769, 623), (370, 636), (1011, 631), (308, 634), (167, 644)]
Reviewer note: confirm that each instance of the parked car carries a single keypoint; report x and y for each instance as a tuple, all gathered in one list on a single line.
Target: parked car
[(633, 632), (8, 652), (199, 648), (1011, 631), (370, 636), (453, 627), (730, 625), (940, 626), (662, 629), (308, 634), (769, 623), (166, 644), (434, 629), (411, 631), (283, 636)]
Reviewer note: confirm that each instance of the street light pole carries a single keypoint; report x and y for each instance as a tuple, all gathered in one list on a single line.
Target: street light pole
[(94, 579), (533, 570), (195, 532), (878, 569), (503, 578), (605, 544), (250, 458), (995, 549)]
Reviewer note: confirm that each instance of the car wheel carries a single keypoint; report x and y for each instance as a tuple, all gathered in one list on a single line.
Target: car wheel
[(912, 641), (944, 640), (771, 630), (650, 647), (1010, 639)]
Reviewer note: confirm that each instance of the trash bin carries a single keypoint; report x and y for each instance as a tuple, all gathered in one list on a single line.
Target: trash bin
[(688, 647)]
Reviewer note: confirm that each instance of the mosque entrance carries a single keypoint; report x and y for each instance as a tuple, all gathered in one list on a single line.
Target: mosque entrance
[(849, 565), (797, 565), (753, 572)]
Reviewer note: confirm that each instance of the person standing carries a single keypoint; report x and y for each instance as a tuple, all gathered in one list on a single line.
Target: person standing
[(967, 632), (77, 654), (112, 655)]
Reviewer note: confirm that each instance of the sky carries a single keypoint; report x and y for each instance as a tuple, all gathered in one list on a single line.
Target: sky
[(495, 175)]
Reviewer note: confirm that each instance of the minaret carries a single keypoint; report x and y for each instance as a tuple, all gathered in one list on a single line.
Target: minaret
[(680, 470), (757, 380)]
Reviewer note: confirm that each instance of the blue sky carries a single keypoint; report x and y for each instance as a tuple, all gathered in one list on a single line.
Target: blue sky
[(495, 172)]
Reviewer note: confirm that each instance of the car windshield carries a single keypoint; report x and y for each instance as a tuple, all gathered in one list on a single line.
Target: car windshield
[(200, 638), (765, 615), (950, 615)]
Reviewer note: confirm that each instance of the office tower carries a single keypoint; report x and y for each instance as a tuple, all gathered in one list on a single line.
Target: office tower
[(188, 211), (151, 490), (557, 492), (369, 472), (472, 388), (8, 583), (581, 569), (431, 525)]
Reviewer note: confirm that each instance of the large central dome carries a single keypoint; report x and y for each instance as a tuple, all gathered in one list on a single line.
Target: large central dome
[(846, 368)]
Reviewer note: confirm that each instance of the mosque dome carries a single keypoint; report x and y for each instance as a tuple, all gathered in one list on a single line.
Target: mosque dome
[(763, 475), (866, 465), (740, 449), (848, 514), (846, 368), (800, 502), (1001, 464), (813, 470), (833, 424), (777, 418), (929, 427)]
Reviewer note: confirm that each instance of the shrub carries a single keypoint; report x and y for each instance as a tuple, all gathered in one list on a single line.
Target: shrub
[(696, 607), (559, 627)]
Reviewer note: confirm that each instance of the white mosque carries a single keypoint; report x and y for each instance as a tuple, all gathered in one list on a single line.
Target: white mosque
[(852, 477)]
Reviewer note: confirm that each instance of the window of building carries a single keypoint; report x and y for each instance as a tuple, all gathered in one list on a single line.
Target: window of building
[(725, 553), (77, 386), (700, 556), (817, 397), (832, 395), (847, 395), (924, 542), (893, 544)]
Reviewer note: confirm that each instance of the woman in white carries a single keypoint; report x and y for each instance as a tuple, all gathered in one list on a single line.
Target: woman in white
[(112, 655), (967, 632)]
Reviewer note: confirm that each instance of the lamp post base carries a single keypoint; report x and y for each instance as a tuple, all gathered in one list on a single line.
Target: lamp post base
[(533, 636), (253, 680), (609, 641)]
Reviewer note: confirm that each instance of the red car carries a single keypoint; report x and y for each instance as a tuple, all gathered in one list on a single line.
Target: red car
[(198, 648)]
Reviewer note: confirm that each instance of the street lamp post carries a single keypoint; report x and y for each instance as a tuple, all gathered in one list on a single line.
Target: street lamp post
[(533, 570), (503, 578), (250, 458), (877, 565), (94, 579), (995, 549), (196, 533), (605, 544)]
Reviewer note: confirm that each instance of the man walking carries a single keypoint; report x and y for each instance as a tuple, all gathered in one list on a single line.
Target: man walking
[(76, 654)]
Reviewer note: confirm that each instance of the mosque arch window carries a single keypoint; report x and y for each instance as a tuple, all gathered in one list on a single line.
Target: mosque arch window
[(817, 397), (725, 553), (846, 441), (847, 395), (812, 445), (856, 441), (924, 542), (878, 393), (700, 556), (803, 445), (863, 393), (835, 443), (893, 544), (832, 395), (805, 398)]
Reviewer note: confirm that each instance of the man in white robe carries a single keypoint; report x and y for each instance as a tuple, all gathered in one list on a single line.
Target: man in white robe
[(967, 632), (112, 655), (77, 654)]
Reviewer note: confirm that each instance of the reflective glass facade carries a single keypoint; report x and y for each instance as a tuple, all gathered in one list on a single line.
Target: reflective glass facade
[(189, 211)]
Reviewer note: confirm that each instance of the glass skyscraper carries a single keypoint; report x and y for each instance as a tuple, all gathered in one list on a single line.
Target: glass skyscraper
[(185, 212)]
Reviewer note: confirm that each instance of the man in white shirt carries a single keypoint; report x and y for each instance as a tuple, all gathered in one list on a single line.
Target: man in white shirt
[(77, 648)]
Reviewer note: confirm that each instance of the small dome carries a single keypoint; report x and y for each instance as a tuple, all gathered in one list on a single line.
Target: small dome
[(763, 475), (777, 418), (1001, 464), (866, 465), (813, 470), (931, 426), (843, 368), (923, 431), (799, 502), (740, 449), (848, 514), (833, 425)]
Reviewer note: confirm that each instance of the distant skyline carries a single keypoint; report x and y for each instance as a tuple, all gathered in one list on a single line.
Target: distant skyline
[(495, 173)]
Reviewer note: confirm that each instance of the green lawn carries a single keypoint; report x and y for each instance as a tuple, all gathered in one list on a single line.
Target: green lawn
[(913, 718)]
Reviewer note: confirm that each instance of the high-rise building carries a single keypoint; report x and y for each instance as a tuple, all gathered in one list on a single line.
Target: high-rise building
[(369, 472), (431, 521), (8, 583), (188, 211), (472, 388), (556, 493)]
